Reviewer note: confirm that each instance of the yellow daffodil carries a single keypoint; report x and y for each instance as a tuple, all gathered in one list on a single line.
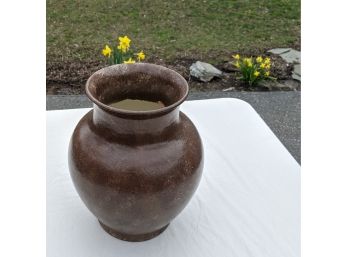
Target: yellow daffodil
[(130, 60), (107, 51), (237, 64), (268, 66), (140, 55), (124, 40), (256, 73), (267, 60), (124, 44), (262, 65), (122, 47), (259, 59), (237, 57), (248, 62), (122, 52), (267, 73)]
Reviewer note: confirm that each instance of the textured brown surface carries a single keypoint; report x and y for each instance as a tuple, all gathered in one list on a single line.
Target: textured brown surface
[(136, 171), (136, 238)]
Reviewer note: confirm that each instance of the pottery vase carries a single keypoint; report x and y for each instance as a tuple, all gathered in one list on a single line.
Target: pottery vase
[(135, 170)]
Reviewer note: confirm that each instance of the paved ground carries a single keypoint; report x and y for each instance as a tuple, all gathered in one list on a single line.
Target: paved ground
[(280, 110)]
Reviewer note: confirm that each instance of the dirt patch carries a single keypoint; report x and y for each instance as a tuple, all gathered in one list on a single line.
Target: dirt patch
[(69, 78)]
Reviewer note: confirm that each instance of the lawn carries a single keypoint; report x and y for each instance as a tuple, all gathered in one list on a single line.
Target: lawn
[(78, 29)]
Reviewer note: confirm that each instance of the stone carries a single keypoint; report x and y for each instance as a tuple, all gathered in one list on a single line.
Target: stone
[(296, 73), (295, 76), (279, 50), (297, 69), (228, 89), (292, 56), (287, 54), (204, 71)]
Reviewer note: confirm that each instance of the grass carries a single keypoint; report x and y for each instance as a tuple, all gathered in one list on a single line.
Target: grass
[(78, 29)]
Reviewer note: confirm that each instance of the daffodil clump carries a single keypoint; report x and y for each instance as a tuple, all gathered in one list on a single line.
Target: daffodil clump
[(122, 52), (253, 70)]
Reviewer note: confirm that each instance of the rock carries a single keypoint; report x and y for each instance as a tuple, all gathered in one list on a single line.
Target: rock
[(296, 73), (228, 89), (292, 56), (297, 69), (204, 71), (279, 50), (287, 54), (295, 76)]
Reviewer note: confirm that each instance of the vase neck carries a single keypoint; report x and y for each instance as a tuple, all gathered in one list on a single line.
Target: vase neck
[(134, 126)]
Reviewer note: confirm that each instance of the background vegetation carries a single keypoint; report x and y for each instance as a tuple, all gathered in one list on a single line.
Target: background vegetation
[(77, 30)]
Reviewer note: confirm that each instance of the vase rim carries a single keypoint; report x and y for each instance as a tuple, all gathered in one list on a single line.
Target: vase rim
[(146, 68)]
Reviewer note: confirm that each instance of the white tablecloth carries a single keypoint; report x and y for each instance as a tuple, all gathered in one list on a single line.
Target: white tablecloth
[(247, 204)]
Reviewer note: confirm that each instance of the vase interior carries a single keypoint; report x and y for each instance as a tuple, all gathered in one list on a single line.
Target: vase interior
[(137, 81)]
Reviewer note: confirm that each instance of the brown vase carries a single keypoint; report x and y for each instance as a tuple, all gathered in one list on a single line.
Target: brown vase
[(135, 170)]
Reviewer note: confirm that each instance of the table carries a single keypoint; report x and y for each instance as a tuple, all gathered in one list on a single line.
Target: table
[(247, 204)]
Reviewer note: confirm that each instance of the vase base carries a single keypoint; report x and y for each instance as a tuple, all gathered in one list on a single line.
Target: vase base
[(132, 238)]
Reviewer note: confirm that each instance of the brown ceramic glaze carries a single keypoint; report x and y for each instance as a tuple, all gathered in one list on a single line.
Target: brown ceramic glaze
[(135, 170)]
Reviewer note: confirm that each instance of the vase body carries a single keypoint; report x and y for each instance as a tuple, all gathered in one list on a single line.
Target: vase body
[(135, 170)]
